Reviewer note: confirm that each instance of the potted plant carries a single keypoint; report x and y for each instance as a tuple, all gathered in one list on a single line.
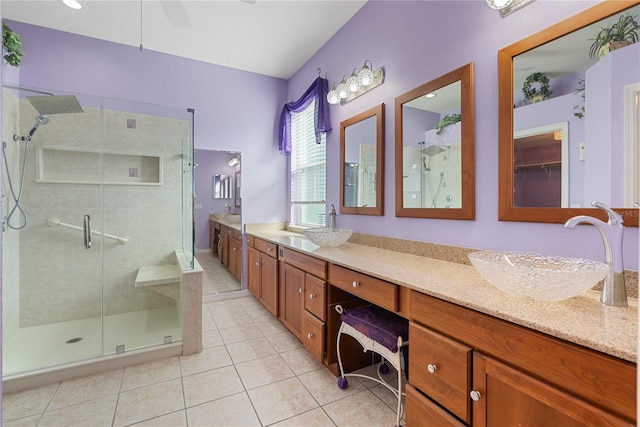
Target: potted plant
[(11, 46), (447, 120), (578, 110), (536, 87), (617, 35)]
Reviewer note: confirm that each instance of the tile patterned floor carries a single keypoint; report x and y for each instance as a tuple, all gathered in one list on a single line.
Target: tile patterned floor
[(252, 372), (216, 277)]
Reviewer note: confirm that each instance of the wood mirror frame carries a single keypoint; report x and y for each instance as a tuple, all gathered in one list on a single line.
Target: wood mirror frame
[(507, 211), (463, 74), (378, 209)]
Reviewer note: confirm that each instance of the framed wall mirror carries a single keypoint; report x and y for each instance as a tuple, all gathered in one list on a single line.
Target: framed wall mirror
[(362, 163), (221, 186), (579, 141), (237, 193), (435, 148)]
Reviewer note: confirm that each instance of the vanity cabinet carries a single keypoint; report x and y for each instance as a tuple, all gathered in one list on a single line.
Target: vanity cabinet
[(235, 253), (223, 245), (303, 298), (473, 369), (262, 269), (214, 234)]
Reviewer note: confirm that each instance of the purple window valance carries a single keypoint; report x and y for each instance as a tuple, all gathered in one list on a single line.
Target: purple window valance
[(318, 91)]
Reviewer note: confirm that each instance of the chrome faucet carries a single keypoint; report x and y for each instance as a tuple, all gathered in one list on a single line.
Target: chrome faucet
[(613, 291), (332, 217)]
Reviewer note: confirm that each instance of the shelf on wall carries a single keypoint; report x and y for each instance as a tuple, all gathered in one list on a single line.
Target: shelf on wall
[(62, 165)]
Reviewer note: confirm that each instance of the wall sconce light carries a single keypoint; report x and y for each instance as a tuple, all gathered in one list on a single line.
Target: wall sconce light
[(360, 81), (507, 7), (234, 160)]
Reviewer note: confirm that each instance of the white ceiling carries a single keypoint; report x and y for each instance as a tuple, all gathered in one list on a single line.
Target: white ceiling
[(270, 37)]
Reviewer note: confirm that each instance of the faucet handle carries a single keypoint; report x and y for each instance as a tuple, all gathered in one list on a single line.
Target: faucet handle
[(615, 219)]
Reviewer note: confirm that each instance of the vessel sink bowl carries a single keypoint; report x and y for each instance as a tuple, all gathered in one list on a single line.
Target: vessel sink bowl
[(540, 277), (325, 236)]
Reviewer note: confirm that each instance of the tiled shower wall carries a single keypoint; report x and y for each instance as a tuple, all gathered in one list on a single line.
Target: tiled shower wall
[(60, 280)]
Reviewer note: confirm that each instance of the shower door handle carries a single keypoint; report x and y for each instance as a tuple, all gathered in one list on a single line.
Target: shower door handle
[(87, 231)]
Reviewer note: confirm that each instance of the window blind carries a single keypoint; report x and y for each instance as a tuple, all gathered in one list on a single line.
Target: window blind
[(308, 171)]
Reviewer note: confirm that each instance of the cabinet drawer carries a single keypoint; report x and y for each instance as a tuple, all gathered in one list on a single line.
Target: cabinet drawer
[(236, 234), (422, 412), (376, 291), (441, 368), (224, 228), (249, 240), (306, 263), (315, 296), (268, 248), (313, 335)]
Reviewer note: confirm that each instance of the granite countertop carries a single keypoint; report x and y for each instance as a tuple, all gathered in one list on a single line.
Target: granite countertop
[(582, 320), (234, 225)]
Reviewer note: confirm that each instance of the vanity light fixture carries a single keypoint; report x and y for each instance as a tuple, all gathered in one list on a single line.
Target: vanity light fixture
[(357, 83), (233, 161), (73, 4), (507, 7)]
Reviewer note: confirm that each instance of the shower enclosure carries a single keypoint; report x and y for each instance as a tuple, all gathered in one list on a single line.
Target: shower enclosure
[(93, 193)]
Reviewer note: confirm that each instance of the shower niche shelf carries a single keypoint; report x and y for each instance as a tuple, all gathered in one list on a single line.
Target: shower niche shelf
[(63, 165)]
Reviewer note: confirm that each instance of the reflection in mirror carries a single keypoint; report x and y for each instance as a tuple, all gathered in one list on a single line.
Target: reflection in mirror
[(237, 194), (362, 157), (593, 96), (435, 148), (221, 186)]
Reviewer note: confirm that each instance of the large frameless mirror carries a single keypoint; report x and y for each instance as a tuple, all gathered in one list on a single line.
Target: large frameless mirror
[(362, 163), (569, 118), (434, 149)]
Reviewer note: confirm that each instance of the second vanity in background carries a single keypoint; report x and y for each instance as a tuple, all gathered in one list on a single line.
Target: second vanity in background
[(225, 242), (477, 357)]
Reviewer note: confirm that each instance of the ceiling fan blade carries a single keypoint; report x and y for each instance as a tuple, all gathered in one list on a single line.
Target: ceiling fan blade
[(176, 14)]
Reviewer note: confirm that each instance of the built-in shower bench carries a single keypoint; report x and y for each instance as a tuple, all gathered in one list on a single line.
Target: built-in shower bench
[(164, 279)]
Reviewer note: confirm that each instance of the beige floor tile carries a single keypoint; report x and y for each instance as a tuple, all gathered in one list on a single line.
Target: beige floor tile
[(284, 341), (95, 413), (150, 373), (250, 350), (300, 361), (28, 402), (314, 418), (263, 371), (211, 339), (174, 419), (227, 306), (211, 385), (362, 409), (323, 386), (209, 358), (270, 326), (281, 400), (31, 421), (229, 320), (239, 333), (208, 324), (87, 388), (251, 304), (148, 402), (231, 411)]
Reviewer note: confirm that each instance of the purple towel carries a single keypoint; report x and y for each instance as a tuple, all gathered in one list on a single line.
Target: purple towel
[(378, 324)]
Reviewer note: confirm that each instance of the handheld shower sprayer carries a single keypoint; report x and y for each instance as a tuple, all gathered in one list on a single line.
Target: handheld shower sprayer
[(40, 121)]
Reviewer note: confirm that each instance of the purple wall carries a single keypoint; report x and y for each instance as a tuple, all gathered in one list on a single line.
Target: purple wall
[(415, 43)]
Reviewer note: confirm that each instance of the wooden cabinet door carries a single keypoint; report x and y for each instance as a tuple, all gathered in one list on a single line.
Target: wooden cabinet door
[(235, 248), (253, 272), (292, 298), (508, 397), (269, 283), (422, 412), (313, 335), (225, 248)]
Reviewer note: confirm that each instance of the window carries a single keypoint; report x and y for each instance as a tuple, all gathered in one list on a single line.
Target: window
[(308, 171)]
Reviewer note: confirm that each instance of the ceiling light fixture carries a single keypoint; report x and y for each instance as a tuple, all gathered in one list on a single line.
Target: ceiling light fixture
[(234, 160), (499, 4), (430, 95), (73, 4), (507, 7), (357, 83)]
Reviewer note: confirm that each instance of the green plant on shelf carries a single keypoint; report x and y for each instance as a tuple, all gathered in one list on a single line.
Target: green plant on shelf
[(619, 34), (447, 120), (11, 46), (578, 110), (536, 87)]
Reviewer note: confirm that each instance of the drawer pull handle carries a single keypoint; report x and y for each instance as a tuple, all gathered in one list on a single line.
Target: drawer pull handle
[(257, 264), (300, 290), (355, 284), (268, 249), (475, 395), (309, 335), (312, 296), (432, 368)]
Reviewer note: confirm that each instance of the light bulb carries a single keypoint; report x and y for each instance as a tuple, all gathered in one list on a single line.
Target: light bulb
[(333, 97), (73, 4), (365, 75), (343, 90), (354, 83), (499, 4)]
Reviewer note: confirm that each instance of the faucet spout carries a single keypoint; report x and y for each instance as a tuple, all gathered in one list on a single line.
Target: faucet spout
[(614, 291), (332, 217)]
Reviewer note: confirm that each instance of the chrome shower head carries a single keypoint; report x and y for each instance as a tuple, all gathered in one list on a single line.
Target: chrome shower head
[(40, 120), (433, 150)]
